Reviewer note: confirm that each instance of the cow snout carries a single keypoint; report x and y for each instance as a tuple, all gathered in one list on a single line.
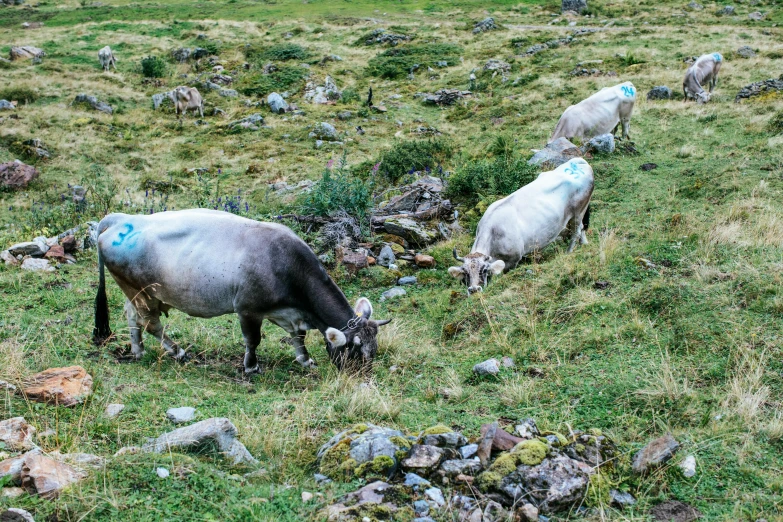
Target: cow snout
[(474, 289)]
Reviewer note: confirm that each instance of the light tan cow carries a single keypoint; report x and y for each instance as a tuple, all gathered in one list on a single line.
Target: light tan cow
[(186, 98), (601, 113), (107, 59), (704, 71)]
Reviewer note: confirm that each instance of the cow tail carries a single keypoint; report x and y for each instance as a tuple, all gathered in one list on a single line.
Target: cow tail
[(102, 329), (586, 219)]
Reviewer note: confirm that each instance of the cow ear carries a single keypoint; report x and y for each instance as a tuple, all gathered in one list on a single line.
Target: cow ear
[(456, 271), (497, 267), (363, 308), (336, 337)]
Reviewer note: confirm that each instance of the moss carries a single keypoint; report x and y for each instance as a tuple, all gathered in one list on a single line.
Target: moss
[(595, 431), (505, 464), (598, 490), (436, 430), (360, 428), (580, 448), (346, 469), (489, 480), (380, 465), (530, 452), (334, 458), (400, 442), (560, 437), (401, 454)]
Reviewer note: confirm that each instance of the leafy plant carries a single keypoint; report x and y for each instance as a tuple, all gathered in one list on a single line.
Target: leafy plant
[(19, 94), (278, 53), (398, 61), (500, 175), (412, 156), (338, 191), (285, 78), (349, 95), (153, 67)]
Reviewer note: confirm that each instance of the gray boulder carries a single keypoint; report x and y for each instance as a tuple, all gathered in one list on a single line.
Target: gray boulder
[(228, 93), (344, 115), (450, 439), (695, 6), (422, 459), (727, 10), (555, 154), (386, 257), (746, 51), (93, 103), (16, 514), (414, 232), (363, 443), (660, 92), (6, 105), (391, 293), (487, 24), (557, 484), (276, 103), (199, 53), (29, 248), (35, 148), (603, 144), (527, 429), (37, 265), (181, 415), (452, 468), (655, 453), (252, 122), (408, 280), (160, 98), (181, 55), (412, 480), (488, 367), (576, 6), (757, 16), (621, 499), (468, 451), (324, 131), (113, 410)]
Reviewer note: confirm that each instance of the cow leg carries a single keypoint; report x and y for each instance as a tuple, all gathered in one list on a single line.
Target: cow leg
[(201, 110), (626, 127), (302, 356), (251, 331), (577, 234), (155, 327), (134, 323)]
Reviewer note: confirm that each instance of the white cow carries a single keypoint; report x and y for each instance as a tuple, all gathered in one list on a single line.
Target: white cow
[(186, 98), (528, 220), (704, 71), (107, 59), (601, 113)]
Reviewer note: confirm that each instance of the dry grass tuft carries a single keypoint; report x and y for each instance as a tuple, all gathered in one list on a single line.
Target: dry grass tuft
[(12, 361), (666, 382), (746, 394), (607, 244), (517, 392)]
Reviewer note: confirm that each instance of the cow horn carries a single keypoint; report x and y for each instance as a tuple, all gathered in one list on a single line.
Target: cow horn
[(382, 322), (456, 256)]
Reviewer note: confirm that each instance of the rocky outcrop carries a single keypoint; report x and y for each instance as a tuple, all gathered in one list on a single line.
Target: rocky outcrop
[(555, 154), (16, 175), (93, 103), (218, 431), (59, 386), (16, 434)]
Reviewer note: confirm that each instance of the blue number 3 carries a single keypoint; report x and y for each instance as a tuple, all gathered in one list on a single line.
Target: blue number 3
[(573, 170)]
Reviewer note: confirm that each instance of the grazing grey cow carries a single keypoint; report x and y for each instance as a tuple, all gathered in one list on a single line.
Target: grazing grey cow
[(601, 113), (107, 59), (704, 71), (528, 220), (186, 98), (208, 263)]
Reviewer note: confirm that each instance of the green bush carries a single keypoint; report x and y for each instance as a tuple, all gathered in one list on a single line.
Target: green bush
[(398, 61), (500, 175), (776, 123), (277, 53), (153, 67), (283, 79), (349, 95), (211, 46), (19, 94), (338, 191), (412, 156)]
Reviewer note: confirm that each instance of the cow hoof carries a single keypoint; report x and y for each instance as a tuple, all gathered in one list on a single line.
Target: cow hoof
[(183, 357), (138, 355), (254, 369), (309, 363)]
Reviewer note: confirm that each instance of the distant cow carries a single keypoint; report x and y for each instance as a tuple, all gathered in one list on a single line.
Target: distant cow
[(107, 59), (208, 263), (601, 113), (528, 220), (186, 98), (704, 71)]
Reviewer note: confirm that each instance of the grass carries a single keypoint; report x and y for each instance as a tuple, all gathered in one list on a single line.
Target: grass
[(688, 344)]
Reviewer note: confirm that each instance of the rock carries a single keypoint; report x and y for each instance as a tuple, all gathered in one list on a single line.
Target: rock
[(376, 447), (69, 244), (252, 122), (436, 496), (219, 431), (695, 6), (414, 232), (162, 473), (746, 51), (494, 512), (444, 96), (655, 453), (497, 65), (603, 144), (555, 154), (80, 461), (421, 507), (452, 468), (92, 102), (307, 496), (16, 434), (324, 131), (6, 105), (344, 115), (487, 24), (60, 386), (621, 499), (322, 94), (35, 148), (46, 477), (380, 36), (10, 260), (412, 480), (26, 52), (488, 367), (648, 167), (576, 6), (449, 439), (113, 410), (355, 260), (556, 484), (228, 93), (180, 415), (528, 513), (422, 458), (276, 103), (527, 429), (468, 451), (759, 88), (675, 511), (727, 10), (507, 362), (386, 257), (181, 55), (158, 99), (502, 440), (391, 293), (321, 479), (30, 248), (688, 466), (11, 492), (371, 498), (16, 515), (757, 16), (199, 53), (12, 468), (15, 174), (424, 261), (408, 280), (37, 265), (661, 92)]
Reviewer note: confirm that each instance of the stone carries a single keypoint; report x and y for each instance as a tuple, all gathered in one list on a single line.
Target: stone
[(494, 512), (488, 367), (412, 480), (26, 52), (56, 253), (16, 515), (759, 88), (363, 443), (675, 511), (380, 36), (276, 103), (757, 16), (444, 96), (391, 293), (30, 248), (6, 105), (11, 492), (487, 24), (695, 6), (181, 55), (455, 467), (502, 440), (252, 122), (527, 429), (528, 513), (10, 260), (727, 10), (386, 257), (228, 93), (162, 473), (355, 260), (688, 466), (322, 94), (648, 167), (80, 461), (450, 439), (746, 51), (660, 92), (436, 496), (324, 131), (93, 103), (160, 98), (180, 415), (497, 65), (557, 484), (484, 450), (655, 453), (37, 265), (12, 467), (321, 479), (16, 434), (113, 410), (351, 505), (468, 451), (46, 477), (219, 431), (16, 175), (60, 386), (408, 280), (199, 53), (344, 115), (621, 499), (555, 154), (422, 458), (603, 144), (421, 507), (414, 232), (424, 261), (307, 496), (507, 362), (35, 148), (576, 6)]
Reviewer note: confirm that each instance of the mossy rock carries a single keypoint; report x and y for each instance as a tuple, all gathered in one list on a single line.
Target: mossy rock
[(380, 466), (436, 430), (528, 452)]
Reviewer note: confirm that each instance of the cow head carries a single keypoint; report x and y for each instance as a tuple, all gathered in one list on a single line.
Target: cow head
[(476, 270), (703, 97), (354, 346)]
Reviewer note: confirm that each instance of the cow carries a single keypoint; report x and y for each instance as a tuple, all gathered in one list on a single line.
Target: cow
[(704, 71), (186, 98), (107, 59), (528, 220), (601, 113), (208, 263)]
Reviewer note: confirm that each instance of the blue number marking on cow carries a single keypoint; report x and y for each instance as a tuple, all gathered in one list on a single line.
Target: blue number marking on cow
[(717, 57), (628, 90), (129, 235), (573, 170)]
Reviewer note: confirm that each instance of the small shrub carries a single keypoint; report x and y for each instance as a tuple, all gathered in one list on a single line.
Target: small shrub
[(629, 59), (153, 67), (776, 123), (501, 175), (349, 95), (338, 191), (211, 46), (278, 53), (19, 94), (283, 79), (397, 62), (412, 156)]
